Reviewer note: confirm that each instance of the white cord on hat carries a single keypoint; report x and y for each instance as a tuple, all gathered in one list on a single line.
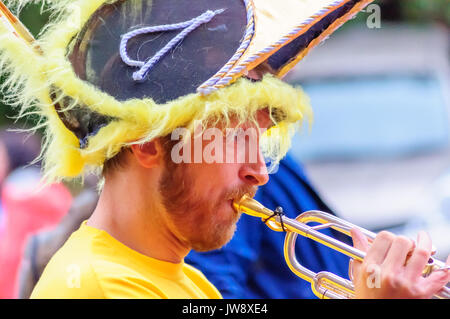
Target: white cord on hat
[(146, 66)]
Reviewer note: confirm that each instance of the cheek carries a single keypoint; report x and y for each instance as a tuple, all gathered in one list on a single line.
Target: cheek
[(215, 173), (229, 150), (225, 176), (228, 170), (216, 181)]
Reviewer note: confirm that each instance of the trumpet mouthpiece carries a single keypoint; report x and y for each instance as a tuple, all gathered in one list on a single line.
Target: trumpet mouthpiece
[(251, 207)]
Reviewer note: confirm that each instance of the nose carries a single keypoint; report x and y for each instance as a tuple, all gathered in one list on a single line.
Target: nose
[(255, 174)]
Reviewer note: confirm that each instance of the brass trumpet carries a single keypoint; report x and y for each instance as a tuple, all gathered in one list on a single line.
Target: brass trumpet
[(324, 284)]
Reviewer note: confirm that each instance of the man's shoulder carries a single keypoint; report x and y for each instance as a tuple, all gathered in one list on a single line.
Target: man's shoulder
[(84, 267), (70, 271), (201, 281)]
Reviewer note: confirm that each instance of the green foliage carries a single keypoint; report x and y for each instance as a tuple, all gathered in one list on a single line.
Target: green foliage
[(32, 17), (6, 114), (426, 10)]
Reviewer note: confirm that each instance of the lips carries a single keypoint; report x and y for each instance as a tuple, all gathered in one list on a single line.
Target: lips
[(237, 195)]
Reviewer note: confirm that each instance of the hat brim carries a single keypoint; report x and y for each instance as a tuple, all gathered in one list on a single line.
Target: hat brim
[(284, 34)]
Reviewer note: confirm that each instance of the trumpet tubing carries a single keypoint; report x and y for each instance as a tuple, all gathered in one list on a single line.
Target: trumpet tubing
[(324, 284)]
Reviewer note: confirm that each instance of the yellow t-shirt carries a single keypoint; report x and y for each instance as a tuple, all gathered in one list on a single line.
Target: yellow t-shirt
[(92, 264)]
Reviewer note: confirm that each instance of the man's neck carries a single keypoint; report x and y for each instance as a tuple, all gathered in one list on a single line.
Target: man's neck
[(127, 213)]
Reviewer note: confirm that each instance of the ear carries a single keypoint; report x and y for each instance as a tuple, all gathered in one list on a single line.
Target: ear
[(148, 154)]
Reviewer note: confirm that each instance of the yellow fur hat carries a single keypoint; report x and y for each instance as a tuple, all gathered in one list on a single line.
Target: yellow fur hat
[(104, 74)]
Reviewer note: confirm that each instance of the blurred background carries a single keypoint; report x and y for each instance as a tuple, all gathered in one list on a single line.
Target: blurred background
[(378, 151)]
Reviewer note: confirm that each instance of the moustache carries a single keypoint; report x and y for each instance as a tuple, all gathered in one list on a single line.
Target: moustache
[(238, 192)]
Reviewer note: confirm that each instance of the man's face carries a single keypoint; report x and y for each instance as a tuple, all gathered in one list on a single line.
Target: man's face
[(198, 196)]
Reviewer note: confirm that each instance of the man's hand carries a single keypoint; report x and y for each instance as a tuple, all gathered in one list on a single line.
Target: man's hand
[(393, 268)]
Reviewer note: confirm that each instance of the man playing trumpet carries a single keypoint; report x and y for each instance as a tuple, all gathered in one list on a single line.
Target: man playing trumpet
[(179, 105)]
